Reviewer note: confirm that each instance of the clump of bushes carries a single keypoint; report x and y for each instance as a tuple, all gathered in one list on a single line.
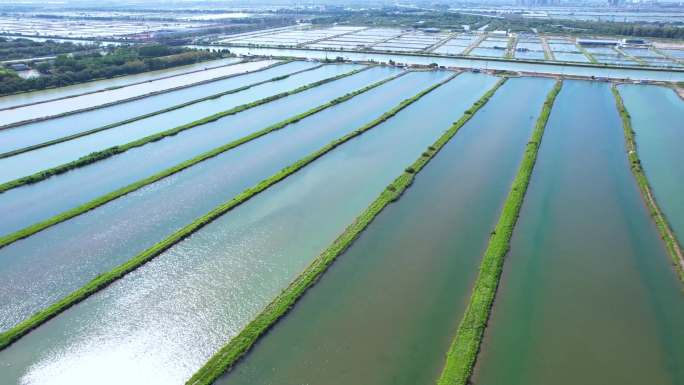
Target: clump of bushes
[(124, 60)]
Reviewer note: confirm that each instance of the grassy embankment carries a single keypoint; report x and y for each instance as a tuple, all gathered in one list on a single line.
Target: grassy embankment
[(162, 111), (104, 154), (548, 53), (104, 279), (474, 45), (463, 351), (677, 87), (586, 53), (639, 60), (510, 49), (667, 55), (666, 234), (221, 361), (66, 215)]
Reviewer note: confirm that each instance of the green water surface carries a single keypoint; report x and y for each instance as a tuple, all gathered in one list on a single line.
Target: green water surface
[(385, 312), (657, 114), (588, 295)]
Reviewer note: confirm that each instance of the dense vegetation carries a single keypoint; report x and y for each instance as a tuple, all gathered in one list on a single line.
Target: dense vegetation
[(466, 344), (404, 17), (11, 49), (666, 234), (124, 60), (238, 346), (105, 279)]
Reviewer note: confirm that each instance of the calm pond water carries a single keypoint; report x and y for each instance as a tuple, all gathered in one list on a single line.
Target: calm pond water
[(98, 85), (588, 294), (115, 232), (84, 101), (657, 121), (40, 132), (386, 311), (621, 73), (29, 204), (160, 323), (46, 157)]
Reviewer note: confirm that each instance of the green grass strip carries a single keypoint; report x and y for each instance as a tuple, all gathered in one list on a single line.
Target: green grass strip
[(463, 351), (162, 111), (105, 279), (666, 55), (223, 360), (548, 52), (66, 215), (586, 53), (510, 49), (104, 154), (666, 234)]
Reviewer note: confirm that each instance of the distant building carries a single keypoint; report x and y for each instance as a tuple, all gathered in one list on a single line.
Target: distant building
[(633, 41), (535, 3), (597, 42), (19, 67)]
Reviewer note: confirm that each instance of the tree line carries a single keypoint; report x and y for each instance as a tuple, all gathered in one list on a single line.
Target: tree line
[(124, 60), (11, 49)]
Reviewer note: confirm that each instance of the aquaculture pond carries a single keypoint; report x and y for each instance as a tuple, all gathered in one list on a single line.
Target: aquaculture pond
[(161, 322), (657, 122), (588, 294), (29, 204), (99, 85), (571, 56), (539, 55), (43, 131), (487, 52), (60, 106), (631, 73), (386, 311), (64, 152), (115, 232), (450, 49)]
